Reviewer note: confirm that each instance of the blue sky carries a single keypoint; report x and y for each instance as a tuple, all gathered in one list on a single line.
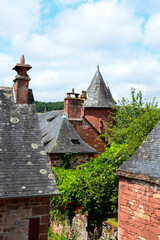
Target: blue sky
[(64, 40)]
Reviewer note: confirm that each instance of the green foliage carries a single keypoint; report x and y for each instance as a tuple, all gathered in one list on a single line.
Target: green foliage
[(112, 221), (134, 121), (49, 106), (64, 236), (93, 186), (66, 160)]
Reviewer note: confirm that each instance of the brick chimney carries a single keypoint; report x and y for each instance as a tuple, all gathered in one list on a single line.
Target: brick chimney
[(73, 105), (21, 82)]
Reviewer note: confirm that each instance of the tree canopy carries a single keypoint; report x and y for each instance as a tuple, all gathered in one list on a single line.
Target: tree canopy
[(48, 106)]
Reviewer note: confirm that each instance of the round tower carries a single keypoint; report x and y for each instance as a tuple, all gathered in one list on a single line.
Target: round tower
[(99, 107)]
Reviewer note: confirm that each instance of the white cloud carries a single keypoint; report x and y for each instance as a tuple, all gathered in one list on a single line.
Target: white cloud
[(104, 23), (6, 73), (142, 73), (143, 7), (67, 2), (18, 17), (152, 32), (65, 54), (100, 25)]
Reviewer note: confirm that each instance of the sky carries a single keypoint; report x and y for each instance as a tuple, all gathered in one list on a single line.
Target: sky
[(65, 40)]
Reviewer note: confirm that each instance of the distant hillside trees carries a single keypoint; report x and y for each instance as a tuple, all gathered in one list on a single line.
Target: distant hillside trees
[(49, 106)]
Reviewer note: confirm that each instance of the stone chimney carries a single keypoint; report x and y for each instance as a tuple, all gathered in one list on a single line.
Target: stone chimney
[(21, 82), (73, 105)]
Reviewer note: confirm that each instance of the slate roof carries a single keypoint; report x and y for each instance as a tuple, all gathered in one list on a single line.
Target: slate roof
[(59, 136), (24, 168), (145, 163), (99, 95)]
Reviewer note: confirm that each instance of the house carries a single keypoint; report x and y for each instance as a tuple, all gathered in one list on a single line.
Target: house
[(60, 137), (26, 179), (139, 192), (80, 125), (95, 110)]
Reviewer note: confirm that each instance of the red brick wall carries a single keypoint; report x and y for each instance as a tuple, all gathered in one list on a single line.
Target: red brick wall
[(89, 135), (75, 159), (138, 210), (98, 116), (72, 107), (21, 91), (15, 215)]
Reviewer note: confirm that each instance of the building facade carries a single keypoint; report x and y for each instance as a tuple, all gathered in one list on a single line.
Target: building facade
[(26, 179), (139, 192)]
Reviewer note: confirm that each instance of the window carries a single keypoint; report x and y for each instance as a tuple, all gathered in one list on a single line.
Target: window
[(75, 141)]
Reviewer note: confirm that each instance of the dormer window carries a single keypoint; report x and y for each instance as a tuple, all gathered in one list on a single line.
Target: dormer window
[(75, 141)]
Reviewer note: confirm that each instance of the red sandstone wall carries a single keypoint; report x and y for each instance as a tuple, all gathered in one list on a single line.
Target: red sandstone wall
[(21, 91), (89, 135), (72, 107), (138, 210), (95, 115), (15, 215)]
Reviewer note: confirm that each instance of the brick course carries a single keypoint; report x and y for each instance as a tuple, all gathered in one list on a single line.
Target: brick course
[(138, 210), (15, 215)]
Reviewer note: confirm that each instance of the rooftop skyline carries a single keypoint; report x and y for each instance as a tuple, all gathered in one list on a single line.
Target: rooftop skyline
[(65, 40)]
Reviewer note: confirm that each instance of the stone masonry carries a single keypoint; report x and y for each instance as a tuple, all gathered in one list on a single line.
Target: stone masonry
[(139, 210), (75, 159), (15, 215)]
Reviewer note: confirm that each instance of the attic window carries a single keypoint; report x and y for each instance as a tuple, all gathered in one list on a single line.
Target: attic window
[(51, 119), (75, 141)]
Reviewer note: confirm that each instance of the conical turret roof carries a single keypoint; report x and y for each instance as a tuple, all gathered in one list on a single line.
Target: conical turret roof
[(99, 95)]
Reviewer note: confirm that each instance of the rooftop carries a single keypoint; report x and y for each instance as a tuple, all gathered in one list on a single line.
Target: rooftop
[(24, 167), (59, 136), (99, 95), (145, 163)]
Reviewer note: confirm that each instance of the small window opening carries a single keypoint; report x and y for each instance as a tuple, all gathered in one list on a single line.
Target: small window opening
[(45, 143), (51, 119), (75, 141)]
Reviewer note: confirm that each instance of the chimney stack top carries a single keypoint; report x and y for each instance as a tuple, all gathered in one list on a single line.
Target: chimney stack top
[(19, 66)]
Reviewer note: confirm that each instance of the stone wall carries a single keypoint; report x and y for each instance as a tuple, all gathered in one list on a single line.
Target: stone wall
[(15, 215), (75, 159), (99, 116), (138, 210), (109, 232), (80, 227), (89, 135)]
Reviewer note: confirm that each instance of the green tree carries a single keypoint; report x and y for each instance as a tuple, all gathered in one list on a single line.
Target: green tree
[(49, 106), (93, 187)]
